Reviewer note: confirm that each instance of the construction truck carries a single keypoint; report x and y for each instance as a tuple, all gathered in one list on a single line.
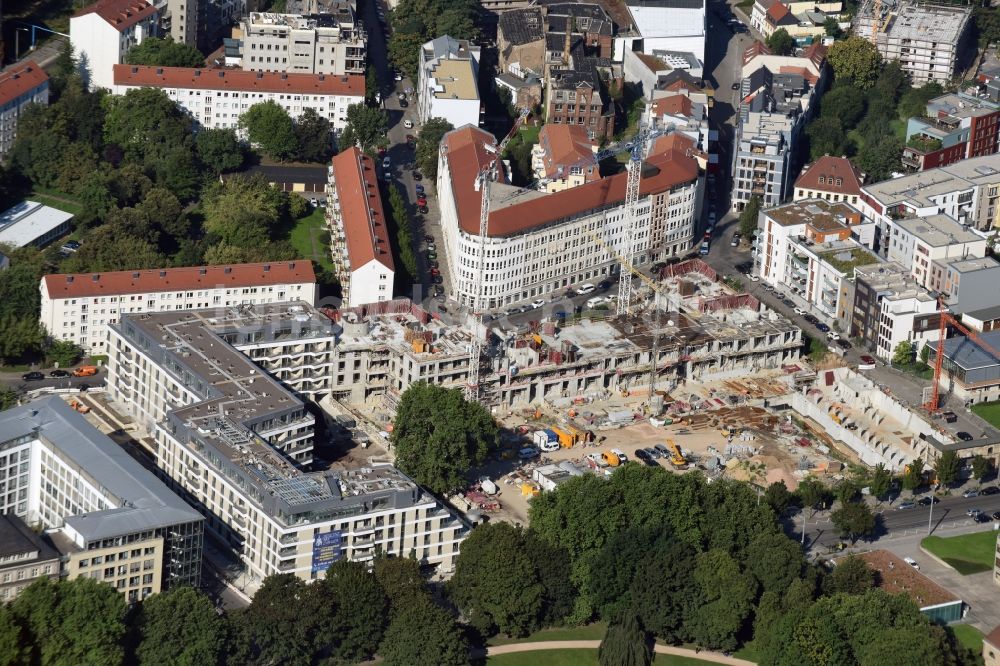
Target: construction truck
[(85, 371), (677, 459)]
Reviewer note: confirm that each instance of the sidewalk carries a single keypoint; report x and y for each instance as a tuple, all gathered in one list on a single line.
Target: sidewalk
[(704, 655)]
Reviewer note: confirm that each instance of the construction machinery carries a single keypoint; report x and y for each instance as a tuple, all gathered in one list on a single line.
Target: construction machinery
[(79, 406), (483, 182), (677, 458), (932, 405)]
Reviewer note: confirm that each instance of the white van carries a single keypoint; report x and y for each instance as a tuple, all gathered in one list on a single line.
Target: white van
[(585, 288), (595, 301)]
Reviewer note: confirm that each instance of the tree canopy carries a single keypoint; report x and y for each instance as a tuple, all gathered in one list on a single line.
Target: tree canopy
[(428, 145), (780, 42), (748, 218), (439, 436), (423, 634), (164, 53), (180, 627), (857, 59), (625, 644), (269, 126), (415, 22), (366, 128), (854, 520)]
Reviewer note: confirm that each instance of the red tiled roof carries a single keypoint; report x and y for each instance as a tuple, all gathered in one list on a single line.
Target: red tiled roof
[(175, 279), (831, 168), (754, 50), (676, 105), (228, 79), (777, 11), (361, 212), (804, 72), (19, 79), (565, 146), (466, 157), (816, 52), (121, 14)]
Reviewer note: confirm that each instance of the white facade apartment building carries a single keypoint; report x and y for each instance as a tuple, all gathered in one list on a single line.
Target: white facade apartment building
[(917, 243), (890, 308), (447, 85), (201, 23), (216, 98), (359, 230), (539, 243), (238, 449), (79, 307), (111, 518), (20, 85), (103, 33), (314, 44)]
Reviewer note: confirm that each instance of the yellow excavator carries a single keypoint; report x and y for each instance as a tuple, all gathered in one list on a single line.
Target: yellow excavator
[(677, 458)]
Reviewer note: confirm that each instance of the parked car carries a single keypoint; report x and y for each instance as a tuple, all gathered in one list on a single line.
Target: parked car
[(585, 288), (314, 202), (621, 455), (736, 86), (843, 344), (604, 285), (972, 513), (653, 453), (416, 175), (949, 416), (799, 311), (736, 240), (403, 104), (811, 319), (537, 303), (33, 377), (982, 518), (970, 493), (422, 201), (59, 374), (408, 124), (431, 255), (867, 362), (664, 451), (823, 328), (989, 490), (437, 279), (912, 562), (928, 499), (996, 515), (419, 188), (386, 162), (435, 271), (528, 453), (905, 505), (964, 436)]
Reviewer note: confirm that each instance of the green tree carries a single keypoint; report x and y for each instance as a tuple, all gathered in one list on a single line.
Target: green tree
[(15, 647), (913, 103), (775, 561), (243, 211), (778, 497), (219, 150), (812, 491), (64, 352), (270, 127), (362, 611), (20, 337), (832, 27), (111, 248), (371, 84), (879, 157), (903, 353), (728, 595), (313, 133), (880, 482), (423, 634), (947, 468), (8, 398), (982, 467), (399, 578), (181, 627), (286, 623), (913, 477), (145, 122), (164, 53), (854, 520), (79, 622), (625, 644), (845, 102), (846, 491), (440, 436), (857, 59), (851, 575), (366, 128), (780, 42), (826, 137), (428, 145), (550, 564), (404, 51), (748, 218), (493, 556)]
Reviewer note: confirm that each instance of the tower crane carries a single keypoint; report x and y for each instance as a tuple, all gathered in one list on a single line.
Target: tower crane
[(483, 181), (947, 320)]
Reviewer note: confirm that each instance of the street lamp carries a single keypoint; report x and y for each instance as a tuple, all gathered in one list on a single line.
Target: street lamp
[(17, 42)]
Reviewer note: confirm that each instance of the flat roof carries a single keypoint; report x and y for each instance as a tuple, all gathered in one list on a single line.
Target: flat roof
[(143, 501), (972, 265), (984, 314), (918, 188), (938, 230), (28, 221), (820, 214), (454, 79), (16, 538), (929, 23), (895, 576), (966, 352)]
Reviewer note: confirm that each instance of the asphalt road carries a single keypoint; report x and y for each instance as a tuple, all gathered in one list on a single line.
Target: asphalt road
[(16, 382), (894, 521)]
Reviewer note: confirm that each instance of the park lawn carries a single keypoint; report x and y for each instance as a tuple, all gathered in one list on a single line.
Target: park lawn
[(588, 632), (578, 658), (969, 636), (57, 202), (989, 412), (968, 553), (305, 238)]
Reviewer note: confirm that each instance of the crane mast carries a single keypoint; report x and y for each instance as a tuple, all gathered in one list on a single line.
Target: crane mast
[(483, 181), (631, 199)]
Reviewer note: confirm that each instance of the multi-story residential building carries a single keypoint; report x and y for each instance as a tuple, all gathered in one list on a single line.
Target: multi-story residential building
[(654, 73), (200, 23), (574, 96), (329, 43), (965, 191), (20, 85), (967, 284), (573, 28), (801, 20), (521, 41), (103, 33), (957, 126), (918, 243), (929, 41), (538, 243), (447, 81), (890, 307), (667, 25), (24, 557), (829, 178), (110, 517), (806, 247), (687, 114), (78, 307), (359, 230), (777, 96), (216, 98), (564, 157), (238, 449)]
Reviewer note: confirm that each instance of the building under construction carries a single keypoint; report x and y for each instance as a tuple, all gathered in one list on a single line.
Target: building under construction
[(928, 40)]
